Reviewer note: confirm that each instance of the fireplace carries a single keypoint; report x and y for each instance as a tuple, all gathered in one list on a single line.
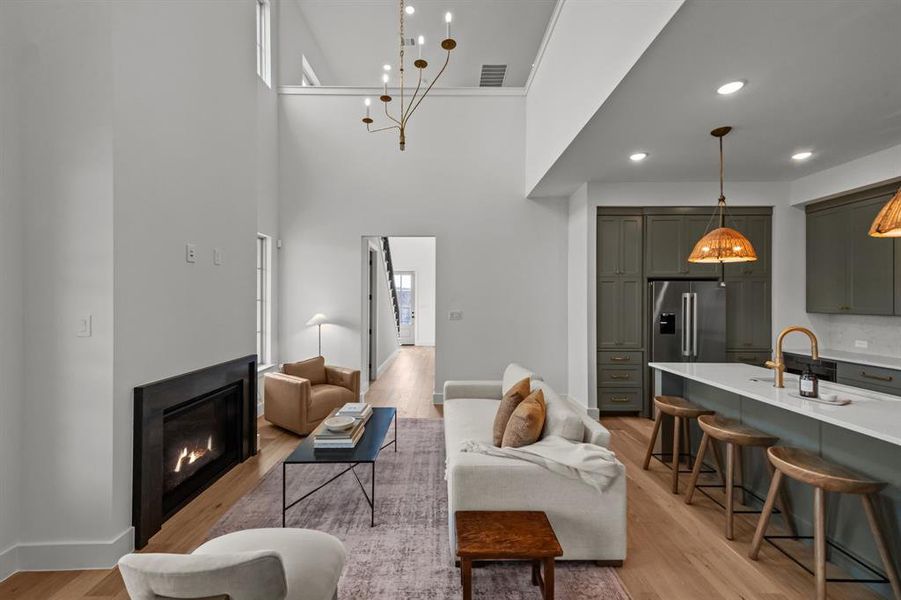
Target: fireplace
[(189, 430)]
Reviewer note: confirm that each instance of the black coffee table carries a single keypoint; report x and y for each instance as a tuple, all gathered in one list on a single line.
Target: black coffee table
[(366, 451)]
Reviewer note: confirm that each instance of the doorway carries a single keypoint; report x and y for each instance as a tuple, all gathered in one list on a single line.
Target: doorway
[(398, 334), (405, 284)]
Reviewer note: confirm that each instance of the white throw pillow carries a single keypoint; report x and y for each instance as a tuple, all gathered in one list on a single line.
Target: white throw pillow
[(560, 418), (515, 373)]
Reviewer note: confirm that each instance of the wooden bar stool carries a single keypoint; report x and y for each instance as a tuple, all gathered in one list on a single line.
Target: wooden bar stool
[(682, 412), (810, 468), (736, 435)]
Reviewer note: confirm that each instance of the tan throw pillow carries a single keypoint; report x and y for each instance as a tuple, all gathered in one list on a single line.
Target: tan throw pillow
[(516, 394), (526, 422)]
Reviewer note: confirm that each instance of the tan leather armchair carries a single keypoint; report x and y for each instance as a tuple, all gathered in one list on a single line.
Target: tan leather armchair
[(304, 393)]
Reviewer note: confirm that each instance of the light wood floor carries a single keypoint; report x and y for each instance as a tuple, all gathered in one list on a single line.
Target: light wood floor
[(408, 384), (676, 551)]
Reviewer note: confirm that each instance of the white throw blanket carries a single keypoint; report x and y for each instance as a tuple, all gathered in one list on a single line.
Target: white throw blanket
[(595, 465)]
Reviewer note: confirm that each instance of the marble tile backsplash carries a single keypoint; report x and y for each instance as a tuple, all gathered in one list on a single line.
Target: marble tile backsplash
[(839, 332)]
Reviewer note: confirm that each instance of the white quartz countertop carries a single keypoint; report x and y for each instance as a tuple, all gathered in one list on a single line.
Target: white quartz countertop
[(860, 358), (870, 413)]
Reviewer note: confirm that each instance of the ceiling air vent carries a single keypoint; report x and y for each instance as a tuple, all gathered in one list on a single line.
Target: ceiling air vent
[(492, 75)]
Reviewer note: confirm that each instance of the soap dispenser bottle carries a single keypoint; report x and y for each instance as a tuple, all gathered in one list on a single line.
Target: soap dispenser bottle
[(809, 385)]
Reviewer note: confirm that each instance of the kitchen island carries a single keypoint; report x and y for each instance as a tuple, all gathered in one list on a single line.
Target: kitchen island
[(864, 435)]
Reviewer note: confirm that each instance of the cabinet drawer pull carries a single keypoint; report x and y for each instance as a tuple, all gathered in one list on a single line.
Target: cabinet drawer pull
[(621, 400), (620, 377), (621, 359), (877, 377)]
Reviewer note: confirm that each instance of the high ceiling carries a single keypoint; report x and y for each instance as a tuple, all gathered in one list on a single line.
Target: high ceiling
[(357, 37), (823, 76)]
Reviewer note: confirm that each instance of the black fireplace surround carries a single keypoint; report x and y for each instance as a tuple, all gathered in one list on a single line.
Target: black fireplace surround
[(189, 430)]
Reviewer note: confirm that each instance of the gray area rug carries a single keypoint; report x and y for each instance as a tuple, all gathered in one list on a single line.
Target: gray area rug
[(406, 555)]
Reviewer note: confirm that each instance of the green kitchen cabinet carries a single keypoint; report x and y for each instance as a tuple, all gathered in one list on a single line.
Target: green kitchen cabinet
[(748, 321), (619, 246), (849, 272), (620, 313), (670, 238)]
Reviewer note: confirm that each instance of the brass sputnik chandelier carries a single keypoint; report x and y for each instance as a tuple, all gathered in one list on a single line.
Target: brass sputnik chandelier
[(409, 105)]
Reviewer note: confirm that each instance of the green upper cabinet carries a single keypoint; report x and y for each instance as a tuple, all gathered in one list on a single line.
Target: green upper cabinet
[(849, 272), (748, 325), (663, 246), (620, 312), (669, 241), (827, 268), (757, 229), (619, 246)]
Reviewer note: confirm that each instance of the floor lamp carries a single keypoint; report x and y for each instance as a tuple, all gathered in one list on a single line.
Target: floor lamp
[(318, 319)]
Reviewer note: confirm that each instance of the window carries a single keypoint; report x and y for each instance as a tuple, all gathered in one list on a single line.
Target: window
[(263, 301), (263, 50)]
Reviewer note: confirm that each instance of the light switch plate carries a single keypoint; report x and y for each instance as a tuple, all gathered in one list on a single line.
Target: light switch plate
[(85, 326), (455, 315), (861, 344), (217, 256), (190, 253)]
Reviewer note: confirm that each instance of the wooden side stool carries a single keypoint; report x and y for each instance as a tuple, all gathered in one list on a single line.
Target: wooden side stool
[(507, 535), (736, 435), (810, 468), (682, 412)]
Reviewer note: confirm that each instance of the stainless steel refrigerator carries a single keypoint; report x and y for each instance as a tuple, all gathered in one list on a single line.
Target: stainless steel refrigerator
[(688, 321)]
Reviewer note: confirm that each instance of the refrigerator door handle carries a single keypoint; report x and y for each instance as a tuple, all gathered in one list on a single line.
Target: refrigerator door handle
[(686, 324), (694, 324)]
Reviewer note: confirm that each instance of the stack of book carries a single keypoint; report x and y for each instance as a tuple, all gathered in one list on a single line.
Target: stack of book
[(324, 438)]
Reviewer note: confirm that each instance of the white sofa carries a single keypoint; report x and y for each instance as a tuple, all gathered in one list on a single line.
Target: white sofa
[(589, 525)]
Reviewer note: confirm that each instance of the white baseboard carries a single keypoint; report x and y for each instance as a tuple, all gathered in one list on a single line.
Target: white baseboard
[(437, 398), (66, 556), (9, 562), (384, 366)]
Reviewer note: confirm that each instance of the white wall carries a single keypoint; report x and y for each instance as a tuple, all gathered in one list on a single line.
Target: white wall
[(502, 258), (142, 135), (67, 434), (788, 249), (580, 354), (185, 169), (12, 309), (296, 40), (592, 47), (417, 254), (868, 170)]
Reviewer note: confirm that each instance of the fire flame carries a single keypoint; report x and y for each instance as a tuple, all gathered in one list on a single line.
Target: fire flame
[(191, 456)]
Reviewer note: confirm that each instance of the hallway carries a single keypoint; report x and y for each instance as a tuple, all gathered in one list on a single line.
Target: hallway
[(408, 384)]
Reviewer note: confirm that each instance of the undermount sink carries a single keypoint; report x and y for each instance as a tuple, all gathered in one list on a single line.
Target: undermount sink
[(769, 380)]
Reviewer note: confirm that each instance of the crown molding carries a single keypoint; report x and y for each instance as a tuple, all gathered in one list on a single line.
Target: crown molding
[(298, 90), (548, 32)]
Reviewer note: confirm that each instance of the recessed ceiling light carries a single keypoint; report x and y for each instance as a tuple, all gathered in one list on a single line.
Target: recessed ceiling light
[(386, 67), (638, 156), (802, 155), (410, 10), (730, 88)]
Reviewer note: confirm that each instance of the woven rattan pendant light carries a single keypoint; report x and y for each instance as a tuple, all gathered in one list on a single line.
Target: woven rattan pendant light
[(888, 222), (723, 244)]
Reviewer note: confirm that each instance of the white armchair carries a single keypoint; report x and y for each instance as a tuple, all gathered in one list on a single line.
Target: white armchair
[(256, 564)]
